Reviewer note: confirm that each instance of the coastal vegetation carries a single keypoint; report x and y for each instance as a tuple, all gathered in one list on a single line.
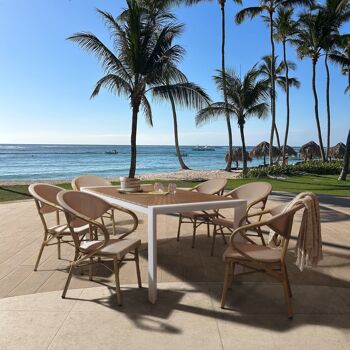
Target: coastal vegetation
[(145, 62), (321, 184)]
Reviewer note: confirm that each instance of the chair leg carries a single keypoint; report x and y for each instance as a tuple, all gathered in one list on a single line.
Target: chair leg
[(72, 265), (43, 244), (179, 228), (117, 282), (194, 232), (226, 284), (213, 241), (223, 235), (287, 294), (137, 262), (59, 248), (113, 222), (208, 229), (287, 278), (232, 275), (90, 268)]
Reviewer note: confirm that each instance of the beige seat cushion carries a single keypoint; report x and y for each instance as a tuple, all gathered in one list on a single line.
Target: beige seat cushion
[(223, 222), (197, 214), (115, 247), (258, 252), (64, 230)]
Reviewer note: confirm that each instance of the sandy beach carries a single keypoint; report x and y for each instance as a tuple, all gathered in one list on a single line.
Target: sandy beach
[(186, 175)]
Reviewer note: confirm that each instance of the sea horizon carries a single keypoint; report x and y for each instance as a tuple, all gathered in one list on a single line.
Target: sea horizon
[(28, 162)]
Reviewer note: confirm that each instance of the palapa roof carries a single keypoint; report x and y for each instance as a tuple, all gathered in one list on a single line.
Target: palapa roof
[(337, 151), (290, 151), (262, 149), (310, 149), (237, 155)]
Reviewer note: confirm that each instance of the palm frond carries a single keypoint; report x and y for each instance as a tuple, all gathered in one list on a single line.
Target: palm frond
[(214, 112), (185, 94), (147, 110), (248, 12), (112, 83)]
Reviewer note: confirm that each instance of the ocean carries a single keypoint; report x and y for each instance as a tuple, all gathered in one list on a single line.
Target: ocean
[(48, 162)]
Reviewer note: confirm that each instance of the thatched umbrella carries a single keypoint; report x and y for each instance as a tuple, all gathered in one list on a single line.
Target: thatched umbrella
[(262, 151), (337, 151), (290, 151), (237, 155), (310, 150)]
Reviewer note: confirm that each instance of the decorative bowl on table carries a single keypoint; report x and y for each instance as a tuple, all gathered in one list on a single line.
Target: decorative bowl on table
[(128, 184)]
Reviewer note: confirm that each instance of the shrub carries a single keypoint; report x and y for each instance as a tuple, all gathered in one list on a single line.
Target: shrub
[(311, 167)]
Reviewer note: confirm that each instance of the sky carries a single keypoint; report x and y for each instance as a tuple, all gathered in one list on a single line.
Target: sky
[(46, 81)]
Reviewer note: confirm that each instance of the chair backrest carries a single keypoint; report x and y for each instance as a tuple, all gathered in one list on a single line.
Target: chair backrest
[(282, 218), (45, 197), (253, 192), (213, 186), (89, 180), (82, 208)]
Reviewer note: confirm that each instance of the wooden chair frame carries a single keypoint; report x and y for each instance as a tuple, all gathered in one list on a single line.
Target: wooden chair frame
[(58, 231), (202, 218), (260, 200), (82, 259), (278, 269)]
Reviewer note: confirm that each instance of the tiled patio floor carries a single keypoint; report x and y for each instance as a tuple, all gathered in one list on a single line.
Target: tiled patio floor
[(187, 315)]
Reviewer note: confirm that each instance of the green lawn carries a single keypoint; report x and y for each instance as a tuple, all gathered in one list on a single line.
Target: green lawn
[(326, 184)]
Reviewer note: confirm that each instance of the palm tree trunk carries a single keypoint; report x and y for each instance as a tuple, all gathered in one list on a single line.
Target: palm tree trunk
[(345, 169), (273, 88), (244, 154), (287, 103), (328, 105), (277, 137), (228, 121), (176, 136), (135, 111), (314, 62)]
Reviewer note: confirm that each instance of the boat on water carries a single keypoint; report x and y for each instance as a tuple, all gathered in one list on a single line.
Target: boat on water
[(112, 152), (203, 148)]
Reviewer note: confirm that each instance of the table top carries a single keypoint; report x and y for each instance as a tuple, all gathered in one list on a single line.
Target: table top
[(148, 200)]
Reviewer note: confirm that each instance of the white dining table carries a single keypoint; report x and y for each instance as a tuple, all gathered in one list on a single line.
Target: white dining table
[(159, 204)]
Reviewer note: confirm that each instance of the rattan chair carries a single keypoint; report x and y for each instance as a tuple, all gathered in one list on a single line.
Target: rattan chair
[(270, 260), (197, 218), (84, 208), (90, 181), (45, 199), (256, 195)]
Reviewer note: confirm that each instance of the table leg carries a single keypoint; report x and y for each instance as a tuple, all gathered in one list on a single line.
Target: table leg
[(152, 256)]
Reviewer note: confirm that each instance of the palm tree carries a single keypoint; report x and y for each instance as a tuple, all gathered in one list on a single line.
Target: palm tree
[(269, 7), (335, 13), (144, 59), (246, 98), (279, 78), (309, 41), (341, 57), (285, 28), (186, 94), (222, 4)]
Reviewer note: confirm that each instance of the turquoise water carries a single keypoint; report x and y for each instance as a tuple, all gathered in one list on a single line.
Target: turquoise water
[(45, 162)]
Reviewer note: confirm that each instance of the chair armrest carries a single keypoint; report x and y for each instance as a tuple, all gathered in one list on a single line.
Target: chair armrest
[(261, 213), (132, 214)]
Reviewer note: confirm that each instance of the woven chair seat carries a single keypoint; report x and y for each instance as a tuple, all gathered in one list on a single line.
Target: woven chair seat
[(258, 252), (115, 247)]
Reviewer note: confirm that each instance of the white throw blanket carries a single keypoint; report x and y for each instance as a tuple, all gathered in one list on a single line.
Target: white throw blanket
[(309, 244)]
